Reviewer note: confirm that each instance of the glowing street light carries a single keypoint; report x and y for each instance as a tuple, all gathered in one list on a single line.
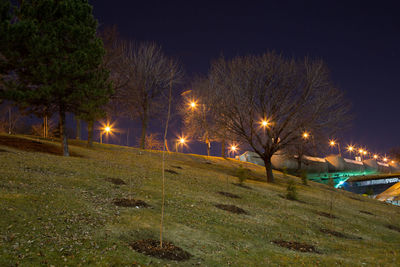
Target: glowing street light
[(385, 159), (350, 148), (360, 151), (375, 156), (306, 135), (264, 123), (107, 129), (332, 143), (193, 104), (233, 148), (180, 142)]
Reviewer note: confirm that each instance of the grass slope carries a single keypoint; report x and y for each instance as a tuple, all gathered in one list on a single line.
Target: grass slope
[(59, 211)]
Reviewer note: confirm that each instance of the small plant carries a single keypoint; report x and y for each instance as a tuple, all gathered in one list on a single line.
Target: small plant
[(331, 183), (369, 192), (303, 176), (291, 191), (242, 174)]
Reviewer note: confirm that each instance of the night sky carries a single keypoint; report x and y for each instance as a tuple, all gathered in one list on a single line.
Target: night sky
[(359, 42)]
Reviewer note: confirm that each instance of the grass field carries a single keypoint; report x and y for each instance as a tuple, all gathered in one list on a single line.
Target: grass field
[(60, 211)]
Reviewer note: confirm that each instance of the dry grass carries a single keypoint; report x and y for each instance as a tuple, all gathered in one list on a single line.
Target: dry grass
[(60, 211)]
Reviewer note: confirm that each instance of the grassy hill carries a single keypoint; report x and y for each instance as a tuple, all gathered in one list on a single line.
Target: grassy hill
[(61, 211)]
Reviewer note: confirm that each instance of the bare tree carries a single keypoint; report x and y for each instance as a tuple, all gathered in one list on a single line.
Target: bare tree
[(199, 116), (267, 101), (150, 75), (153, 142)]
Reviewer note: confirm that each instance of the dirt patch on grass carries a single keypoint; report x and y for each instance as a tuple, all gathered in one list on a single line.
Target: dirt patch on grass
[(125, 202), (227, 194), (116, 181), (393, 227), (171, 171), (231, 208), (338, 234), (32, 145), (297, 200), (297, 246), (325, 214), (356, 198), (176, 167), (168, 251), (243, 186), (366, 212)]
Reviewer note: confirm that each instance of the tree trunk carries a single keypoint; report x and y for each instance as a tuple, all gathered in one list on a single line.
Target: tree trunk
[(299, 159), (223, 148), (46, 126), (78, 129), (268, 170), (90, 133), (144, 128), (208, 146), (63, 134), (9, 120)]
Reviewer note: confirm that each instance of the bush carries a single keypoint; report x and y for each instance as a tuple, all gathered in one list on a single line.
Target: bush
[(291, 191), (242, 174), (303, 176)]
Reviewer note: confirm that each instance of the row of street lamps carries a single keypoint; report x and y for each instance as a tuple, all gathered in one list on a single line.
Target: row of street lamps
[(233, 148)]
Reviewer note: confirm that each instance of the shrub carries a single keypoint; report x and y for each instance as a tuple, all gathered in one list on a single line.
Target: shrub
[(303, 176), (291, 191), (242, 174)]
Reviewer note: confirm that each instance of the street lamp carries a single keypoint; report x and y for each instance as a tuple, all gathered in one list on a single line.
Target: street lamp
[(193, 104), (375, 156), (107, 129), (264, 123), (181, 141), (306, 135), (332, 143)]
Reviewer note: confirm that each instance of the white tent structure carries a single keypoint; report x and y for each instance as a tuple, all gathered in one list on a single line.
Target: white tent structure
[(392, 194)]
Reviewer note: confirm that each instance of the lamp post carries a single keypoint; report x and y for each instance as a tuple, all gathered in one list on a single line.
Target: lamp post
[(106, 130), (332, 143), (350, 149), (181, 141)]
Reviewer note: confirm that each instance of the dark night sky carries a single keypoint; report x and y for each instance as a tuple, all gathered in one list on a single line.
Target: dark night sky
[(359, 42)]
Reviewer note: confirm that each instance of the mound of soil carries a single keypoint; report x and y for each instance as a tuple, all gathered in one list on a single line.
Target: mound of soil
[(366, 212), (171, 171), (293, 245), (231, 208), (297, 200), (168, 251), (325, 214), (176, 167), (116, 181), (393, 227), (227, 194), (242, 186), (2, 150), (338, 234), (124, 202), (356, 198), (32, 145)]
